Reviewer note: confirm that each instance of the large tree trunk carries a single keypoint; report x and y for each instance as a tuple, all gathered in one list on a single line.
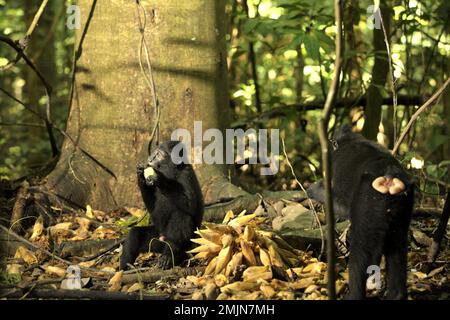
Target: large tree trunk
[(112, 113)]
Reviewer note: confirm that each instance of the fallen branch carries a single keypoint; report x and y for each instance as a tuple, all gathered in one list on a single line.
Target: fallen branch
[(88, 249), (158, 274), (106, 250), (19, 206), (78, 294)]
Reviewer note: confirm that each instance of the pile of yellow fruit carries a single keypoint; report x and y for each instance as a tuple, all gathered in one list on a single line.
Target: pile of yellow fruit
[(241, 258)]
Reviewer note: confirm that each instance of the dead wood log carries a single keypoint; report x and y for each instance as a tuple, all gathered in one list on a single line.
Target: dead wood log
[(158, 274), (77, 294), (22, 200), (87, 248)]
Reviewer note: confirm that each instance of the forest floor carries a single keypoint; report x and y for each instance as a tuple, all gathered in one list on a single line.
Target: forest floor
[(255, 264)]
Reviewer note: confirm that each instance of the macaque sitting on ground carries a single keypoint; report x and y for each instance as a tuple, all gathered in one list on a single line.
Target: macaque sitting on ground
[(172, 196)]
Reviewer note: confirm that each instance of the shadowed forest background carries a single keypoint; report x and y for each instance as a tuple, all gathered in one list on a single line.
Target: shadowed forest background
[(277, 69)]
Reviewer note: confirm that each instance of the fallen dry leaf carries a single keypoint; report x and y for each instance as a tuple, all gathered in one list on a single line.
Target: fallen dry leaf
[(84, 223), (87, 264), (60, 272), (62, 226), (421, 238), (311, 288), (38, 228), (89, 212), (197, 295), (103, 233), (420, 275), (303, 283), (315, 267), (435, 271), (211, 291), (26, 255), (135, 287), (115, 282), (135, 212), (108, 269), (14, 268), (267, 291)]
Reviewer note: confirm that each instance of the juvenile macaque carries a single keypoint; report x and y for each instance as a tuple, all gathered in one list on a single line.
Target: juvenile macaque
[(371, 188), (173, 197)]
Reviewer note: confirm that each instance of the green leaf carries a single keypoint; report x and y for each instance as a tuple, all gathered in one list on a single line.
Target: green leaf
[(312, 46), (325, 41), (250, 25), (444, 163)]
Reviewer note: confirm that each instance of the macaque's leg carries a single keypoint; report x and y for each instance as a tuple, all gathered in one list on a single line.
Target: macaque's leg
[(137, 241), (368, 233), (317, 192), (396, 264)]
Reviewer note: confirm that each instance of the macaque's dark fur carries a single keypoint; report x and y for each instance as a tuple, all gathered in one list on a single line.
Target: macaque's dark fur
[(174, 200), (379, 222)]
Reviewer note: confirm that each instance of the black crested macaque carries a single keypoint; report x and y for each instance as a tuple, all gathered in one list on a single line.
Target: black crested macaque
[(172, 196), (371, 188)]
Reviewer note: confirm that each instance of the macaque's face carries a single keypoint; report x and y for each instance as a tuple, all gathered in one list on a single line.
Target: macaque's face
[(160, 165)]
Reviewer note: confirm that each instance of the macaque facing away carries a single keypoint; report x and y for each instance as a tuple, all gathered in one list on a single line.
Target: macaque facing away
[(371, 188)]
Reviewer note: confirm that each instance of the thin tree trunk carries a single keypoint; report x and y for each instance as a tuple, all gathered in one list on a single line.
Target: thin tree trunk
[(351, 67), (299, 75), (389, 126), (446, 112), (379, 74), (33, 90)]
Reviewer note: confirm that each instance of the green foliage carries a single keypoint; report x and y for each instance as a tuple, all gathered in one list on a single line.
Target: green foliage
[(9, 279), (438, 171), (294, 37), (135, 221), (293, 42), (25, 148)]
